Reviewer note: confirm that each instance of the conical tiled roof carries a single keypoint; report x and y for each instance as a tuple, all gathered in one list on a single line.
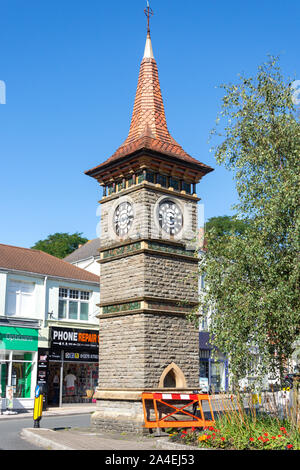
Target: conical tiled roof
[(148, 129)]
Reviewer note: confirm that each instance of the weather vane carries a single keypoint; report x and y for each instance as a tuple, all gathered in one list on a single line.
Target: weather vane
[(148, 13)]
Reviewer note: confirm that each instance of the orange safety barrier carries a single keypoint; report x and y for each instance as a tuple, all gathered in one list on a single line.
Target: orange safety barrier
[(194, 399)]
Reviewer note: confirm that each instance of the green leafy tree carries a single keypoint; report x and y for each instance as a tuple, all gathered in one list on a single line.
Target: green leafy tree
[(252, 277), (60, 244), (226, 225)]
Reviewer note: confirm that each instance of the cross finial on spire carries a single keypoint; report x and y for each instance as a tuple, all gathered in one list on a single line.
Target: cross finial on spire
[(148, 12)]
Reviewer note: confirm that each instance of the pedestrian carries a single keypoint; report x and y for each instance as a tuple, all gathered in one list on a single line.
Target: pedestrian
[(70, 380)]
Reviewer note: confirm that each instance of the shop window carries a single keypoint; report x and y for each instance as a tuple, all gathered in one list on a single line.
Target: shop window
[(16, 372), (218, 376), (77, 390), (204, 353), (73, 304), (20, 298), (204, 368)]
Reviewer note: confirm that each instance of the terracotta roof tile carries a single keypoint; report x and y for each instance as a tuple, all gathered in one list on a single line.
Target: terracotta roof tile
[(39, 262), (148, 129)]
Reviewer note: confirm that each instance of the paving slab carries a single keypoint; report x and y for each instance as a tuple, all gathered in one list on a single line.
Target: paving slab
[(87, 439)]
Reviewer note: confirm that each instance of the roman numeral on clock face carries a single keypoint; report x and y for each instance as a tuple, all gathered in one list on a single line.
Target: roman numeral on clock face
[(123, 219), (170, 217)]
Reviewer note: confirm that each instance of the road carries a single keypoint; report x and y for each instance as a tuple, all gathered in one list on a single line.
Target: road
[(10, 429)]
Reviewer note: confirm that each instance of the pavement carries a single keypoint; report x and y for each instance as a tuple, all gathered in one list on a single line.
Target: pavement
[(74, 409), (88, 438)]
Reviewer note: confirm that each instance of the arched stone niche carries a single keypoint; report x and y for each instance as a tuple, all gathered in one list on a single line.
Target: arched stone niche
[(172, 377)]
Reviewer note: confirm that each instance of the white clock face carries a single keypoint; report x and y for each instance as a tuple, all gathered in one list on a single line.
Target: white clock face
[(170, 217), (123, 219)]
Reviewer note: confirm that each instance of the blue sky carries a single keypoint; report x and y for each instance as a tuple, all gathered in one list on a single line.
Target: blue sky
[(71, 70)]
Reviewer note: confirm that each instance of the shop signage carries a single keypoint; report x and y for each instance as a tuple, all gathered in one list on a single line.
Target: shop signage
[(20, 339), (80, 357), (44, 356), (42, 369), (203, 384), (62, 338), (9, 397)]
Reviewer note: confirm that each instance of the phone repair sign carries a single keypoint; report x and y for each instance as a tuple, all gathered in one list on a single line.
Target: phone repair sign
[(62, 338)]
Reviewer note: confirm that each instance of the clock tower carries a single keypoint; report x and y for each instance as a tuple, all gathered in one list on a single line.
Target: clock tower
[(148, 276)]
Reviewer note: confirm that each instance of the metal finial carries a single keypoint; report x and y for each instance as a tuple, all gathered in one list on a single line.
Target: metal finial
[(148, 12)]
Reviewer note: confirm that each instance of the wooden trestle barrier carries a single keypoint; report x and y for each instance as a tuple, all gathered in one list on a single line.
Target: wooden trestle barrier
[(193, 399)]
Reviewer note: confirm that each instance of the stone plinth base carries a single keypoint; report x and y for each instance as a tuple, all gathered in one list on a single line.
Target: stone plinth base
[(120, 416), (119, 411), (122, 411)]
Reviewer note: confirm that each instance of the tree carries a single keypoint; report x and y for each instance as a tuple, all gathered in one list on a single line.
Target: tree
[(252, 278), (60, 244), (226, 224)]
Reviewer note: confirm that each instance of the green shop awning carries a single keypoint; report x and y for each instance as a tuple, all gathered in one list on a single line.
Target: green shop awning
[(20, 339)]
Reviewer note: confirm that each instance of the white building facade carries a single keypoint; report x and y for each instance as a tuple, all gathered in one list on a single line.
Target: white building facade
[(42, 297), (87, 256)]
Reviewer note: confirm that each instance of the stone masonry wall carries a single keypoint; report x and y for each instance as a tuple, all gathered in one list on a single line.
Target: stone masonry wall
[(170, 278), (144, 202), (122, 278), (148, 274), (121, 352), (149, 343), (168, 339), (135, 349)]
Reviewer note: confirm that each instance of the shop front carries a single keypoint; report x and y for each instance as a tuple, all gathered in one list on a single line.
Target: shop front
[(70, 366), (18, 365), (213, 367)]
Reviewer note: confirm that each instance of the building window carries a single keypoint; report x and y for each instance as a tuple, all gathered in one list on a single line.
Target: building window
[(203, 324), (111, 188), (204, 368), (129, 181), (150, 176), (203, 281), (186, 187), (174, 183), (162, 180), (16, 372), (140, 177), (73, 304), (20, 298), (121, 185)]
